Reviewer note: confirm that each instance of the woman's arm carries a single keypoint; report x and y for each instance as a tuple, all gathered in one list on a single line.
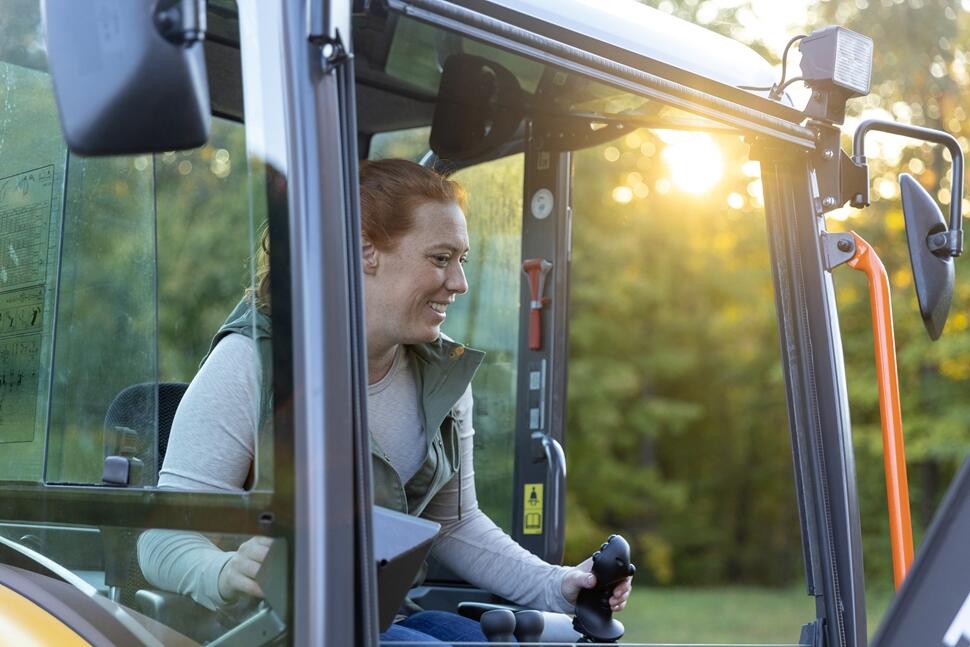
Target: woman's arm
[(211, 447), (481, 552)]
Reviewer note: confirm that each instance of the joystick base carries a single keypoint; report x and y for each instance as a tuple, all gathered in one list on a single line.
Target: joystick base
[(599, 628)]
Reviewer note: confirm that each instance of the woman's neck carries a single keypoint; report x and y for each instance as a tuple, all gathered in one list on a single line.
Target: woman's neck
[(380, 358)]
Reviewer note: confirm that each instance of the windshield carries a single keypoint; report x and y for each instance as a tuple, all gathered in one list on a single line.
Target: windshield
[(657, 306)]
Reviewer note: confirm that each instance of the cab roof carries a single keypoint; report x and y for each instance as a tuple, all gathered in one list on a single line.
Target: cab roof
[(641, 32)]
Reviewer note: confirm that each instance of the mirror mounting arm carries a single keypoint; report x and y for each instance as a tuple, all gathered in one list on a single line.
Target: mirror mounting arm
[(183, 22), (946, 243)]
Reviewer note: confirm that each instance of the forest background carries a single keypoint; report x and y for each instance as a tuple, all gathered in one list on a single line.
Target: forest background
[(682, 397)]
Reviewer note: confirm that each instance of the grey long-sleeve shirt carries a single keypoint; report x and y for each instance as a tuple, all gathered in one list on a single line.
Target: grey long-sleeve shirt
[(211, 447)]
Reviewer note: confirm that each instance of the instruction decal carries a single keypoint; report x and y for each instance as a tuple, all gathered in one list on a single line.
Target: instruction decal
[(25, 223), (532, 509)]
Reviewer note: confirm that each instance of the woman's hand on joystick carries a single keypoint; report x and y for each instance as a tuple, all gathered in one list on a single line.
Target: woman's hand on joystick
[(238, 575), (581, 577)]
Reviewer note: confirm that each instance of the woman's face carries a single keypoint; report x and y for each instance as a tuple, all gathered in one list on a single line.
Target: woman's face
[(409, 288)]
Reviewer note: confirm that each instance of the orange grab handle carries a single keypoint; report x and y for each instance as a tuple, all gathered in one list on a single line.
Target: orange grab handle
[(894, 453)]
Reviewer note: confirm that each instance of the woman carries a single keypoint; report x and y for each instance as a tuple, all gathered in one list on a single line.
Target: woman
[(419, 412)]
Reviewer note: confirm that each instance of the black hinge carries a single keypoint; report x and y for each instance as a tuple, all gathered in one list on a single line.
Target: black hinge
[(332, 54)]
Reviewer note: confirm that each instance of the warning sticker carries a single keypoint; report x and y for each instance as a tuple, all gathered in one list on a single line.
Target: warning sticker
[(532, 509), (26, 219)]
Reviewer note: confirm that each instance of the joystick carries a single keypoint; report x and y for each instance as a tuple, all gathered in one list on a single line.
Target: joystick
[(594, 617), (529, 625), (498, 625)]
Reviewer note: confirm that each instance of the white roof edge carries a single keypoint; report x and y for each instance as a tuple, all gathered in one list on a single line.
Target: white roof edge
[(654, 34)]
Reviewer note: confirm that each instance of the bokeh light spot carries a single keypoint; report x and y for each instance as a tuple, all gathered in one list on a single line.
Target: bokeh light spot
[(623, 194)]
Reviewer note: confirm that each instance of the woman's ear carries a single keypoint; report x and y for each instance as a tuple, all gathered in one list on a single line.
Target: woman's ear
[(369, 256)]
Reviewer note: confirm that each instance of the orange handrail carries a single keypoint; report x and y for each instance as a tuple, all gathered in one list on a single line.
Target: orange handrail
[(866, 260)]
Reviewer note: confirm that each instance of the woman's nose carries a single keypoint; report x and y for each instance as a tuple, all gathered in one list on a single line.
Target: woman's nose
[(456, 280)]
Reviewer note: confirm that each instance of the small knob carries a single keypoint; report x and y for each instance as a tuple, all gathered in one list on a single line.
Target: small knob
[(529, 626), (498, 625)]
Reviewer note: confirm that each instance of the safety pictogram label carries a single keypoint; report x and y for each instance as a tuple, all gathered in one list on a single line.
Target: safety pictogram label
[(532, 509)]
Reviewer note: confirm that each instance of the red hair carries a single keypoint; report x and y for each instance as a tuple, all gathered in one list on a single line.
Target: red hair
[(390, 191)]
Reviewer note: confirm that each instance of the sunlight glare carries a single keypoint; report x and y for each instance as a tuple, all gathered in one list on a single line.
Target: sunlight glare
[(623, 194), (841, 214), (694, 160)]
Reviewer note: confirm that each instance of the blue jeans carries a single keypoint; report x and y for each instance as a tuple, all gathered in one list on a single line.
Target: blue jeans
[(434, 627)]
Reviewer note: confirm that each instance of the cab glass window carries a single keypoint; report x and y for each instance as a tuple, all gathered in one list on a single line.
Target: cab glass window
[(123, 280), (487, 318)]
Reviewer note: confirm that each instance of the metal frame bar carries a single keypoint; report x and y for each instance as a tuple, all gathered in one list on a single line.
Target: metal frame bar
[(541, 388), (817, 401), (335, 609), (534, 45)]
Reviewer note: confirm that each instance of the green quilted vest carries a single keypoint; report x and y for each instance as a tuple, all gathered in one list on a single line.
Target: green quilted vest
[(443, 370)]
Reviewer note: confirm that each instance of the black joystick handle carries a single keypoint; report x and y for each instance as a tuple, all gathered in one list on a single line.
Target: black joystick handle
[(498, 626), (529, 626), (594, 617)]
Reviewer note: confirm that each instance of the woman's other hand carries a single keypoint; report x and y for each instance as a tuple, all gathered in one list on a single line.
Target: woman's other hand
[(581, 577), (238, 576)]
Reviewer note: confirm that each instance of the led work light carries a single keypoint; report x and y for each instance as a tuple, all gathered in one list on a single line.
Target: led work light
[(837, 65)]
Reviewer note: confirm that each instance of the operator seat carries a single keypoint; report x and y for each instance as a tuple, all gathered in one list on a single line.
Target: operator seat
[(131, 420), (129, 432)]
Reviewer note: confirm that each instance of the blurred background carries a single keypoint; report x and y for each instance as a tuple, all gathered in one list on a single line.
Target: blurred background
[(675, 381)]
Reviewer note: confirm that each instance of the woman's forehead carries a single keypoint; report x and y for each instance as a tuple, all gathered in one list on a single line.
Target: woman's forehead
[(440, 223)]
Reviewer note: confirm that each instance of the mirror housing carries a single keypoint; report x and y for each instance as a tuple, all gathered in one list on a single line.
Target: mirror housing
[(479, 108), (129, 76), (933, 271)]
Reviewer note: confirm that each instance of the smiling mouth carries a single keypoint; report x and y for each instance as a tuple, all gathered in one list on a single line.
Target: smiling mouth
[(438, 307)]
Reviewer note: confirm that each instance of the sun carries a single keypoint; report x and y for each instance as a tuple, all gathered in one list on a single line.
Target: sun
[(695, 162)]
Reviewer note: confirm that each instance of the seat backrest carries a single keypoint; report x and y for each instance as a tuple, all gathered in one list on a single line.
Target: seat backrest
[(129, 430), (132, 418)]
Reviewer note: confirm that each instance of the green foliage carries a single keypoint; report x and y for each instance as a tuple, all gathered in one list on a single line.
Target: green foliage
[(676, 388), (918, 77), (728, 615), (206, 232)]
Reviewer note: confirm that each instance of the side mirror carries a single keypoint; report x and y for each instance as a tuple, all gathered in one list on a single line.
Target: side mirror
[(933, 273), (932, 246), (129, 75), (479, 108)]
